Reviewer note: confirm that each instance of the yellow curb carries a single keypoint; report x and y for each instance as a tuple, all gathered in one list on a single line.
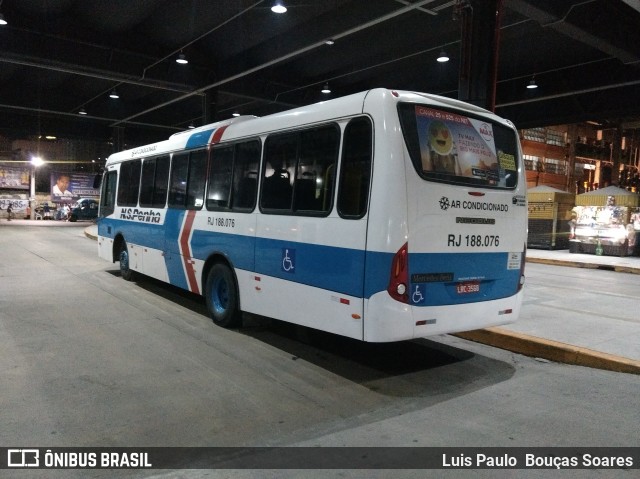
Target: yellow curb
[(627, 269), (551, 350), (561, 262), (89, 235)]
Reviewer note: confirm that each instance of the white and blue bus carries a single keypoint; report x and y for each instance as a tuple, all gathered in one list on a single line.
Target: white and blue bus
[(382, 216)]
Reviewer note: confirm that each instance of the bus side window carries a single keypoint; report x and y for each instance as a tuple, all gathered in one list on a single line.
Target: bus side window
[(108, 196), (178, 184), (161, 181), (196, 180), (280, 151), (129, 183), (155, 177), (148, 174), (353, 191), (245, 175), (317, 158), (220, 177)]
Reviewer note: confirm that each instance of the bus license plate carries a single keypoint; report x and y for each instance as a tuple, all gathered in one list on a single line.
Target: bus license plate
[(467, 288)]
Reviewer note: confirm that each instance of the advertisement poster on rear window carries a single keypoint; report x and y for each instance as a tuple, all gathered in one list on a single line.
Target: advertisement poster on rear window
[(462, 147), (69, 187)]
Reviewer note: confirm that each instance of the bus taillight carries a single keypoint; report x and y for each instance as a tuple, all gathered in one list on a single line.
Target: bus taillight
[(399, 277)]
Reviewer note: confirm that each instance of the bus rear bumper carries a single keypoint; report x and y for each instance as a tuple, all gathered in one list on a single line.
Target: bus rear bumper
[(389, 320)]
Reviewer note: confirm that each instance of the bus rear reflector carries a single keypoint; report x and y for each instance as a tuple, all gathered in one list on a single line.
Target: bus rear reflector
[(522, 263), (399, 277)]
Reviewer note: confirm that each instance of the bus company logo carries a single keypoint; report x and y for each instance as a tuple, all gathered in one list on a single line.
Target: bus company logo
[(142, 216), (444, 203), (475, 221), (143, 150), (432, 277)]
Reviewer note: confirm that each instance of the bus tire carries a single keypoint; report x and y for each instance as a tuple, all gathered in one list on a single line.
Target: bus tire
[(221, 294), (125, 271)]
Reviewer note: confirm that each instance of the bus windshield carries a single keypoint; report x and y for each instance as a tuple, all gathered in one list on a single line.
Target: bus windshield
[(452, 148)]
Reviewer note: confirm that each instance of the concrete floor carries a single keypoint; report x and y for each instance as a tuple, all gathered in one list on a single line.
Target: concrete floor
[(89, 360)]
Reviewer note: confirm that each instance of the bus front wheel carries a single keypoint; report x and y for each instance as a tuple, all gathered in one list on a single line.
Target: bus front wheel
[(221, 294), (125, 271)]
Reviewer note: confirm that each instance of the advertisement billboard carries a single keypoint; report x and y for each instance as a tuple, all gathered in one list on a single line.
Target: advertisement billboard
[(14, 178), (68, 187)]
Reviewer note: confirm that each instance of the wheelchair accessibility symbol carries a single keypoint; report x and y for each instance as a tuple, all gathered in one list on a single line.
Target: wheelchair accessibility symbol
[(288, 260), (417, 297)]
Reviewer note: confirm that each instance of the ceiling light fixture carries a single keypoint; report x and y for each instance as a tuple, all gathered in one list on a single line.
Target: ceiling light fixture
[(235, 113), (325, 89), (2, 20), (278, 7), (331, 41), (82, 111), (182, 59), (532, 84), (443, 57), (114, 94), (191, 126)]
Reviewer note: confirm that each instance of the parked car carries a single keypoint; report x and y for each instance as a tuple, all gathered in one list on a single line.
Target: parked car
[(84, 209)]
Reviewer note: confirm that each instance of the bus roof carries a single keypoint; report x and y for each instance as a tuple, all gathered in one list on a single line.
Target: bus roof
[(248, 125), (184, 140)]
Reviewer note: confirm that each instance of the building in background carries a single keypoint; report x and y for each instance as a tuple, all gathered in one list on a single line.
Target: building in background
[(581, 158)]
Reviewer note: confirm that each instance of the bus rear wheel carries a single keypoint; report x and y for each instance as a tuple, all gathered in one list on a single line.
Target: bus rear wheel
[(125, 271), (221, 294)]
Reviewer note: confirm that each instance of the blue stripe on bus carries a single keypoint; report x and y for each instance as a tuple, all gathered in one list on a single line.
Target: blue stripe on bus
[(175, 271), (145, 234), (487, 269), (490, 269), (238, 249), (199, 139), (328, 267)]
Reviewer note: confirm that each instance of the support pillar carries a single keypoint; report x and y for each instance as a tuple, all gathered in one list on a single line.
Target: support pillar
[(479, 48), (209, 107), (32, 193), (572, 139), (616, 155), (118, 138)]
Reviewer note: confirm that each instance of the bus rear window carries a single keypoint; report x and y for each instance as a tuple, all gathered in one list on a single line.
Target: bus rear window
[(452, 148)]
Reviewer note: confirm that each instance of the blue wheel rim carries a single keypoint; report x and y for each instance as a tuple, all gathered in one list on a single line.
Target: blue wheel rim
[(220, 295)]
